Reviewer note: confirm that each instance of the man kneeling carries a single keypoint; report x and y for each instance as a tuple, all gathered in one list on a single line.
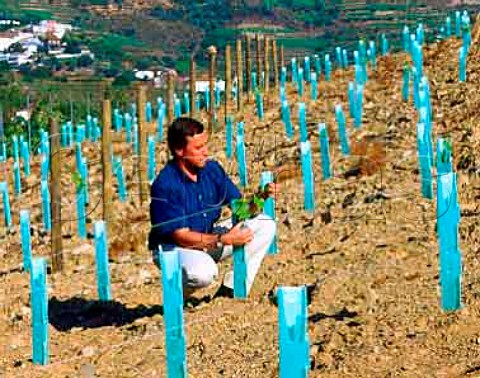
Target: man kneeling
[(186, 201)]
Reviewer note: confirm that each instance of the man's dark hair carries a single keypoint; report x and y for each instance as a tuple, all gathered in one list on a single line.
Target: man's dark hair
[(179, 130)]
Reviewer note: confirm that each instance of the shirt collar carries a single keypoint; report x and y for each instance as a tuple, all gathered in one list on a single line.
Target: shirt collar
[(183, 175)]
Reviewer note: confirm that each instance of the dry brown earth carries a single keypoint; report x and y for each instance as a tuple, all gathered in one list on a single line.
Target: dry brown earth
[(371, 243)]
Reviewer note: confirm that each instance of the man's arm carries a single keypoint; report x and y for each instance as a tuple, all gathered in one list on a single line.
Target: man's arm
[(237, 236), (186, 238)]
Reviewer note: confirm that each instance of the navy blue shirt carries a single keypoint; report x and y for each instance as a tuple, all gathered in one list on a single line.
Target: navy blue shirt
[(179, 202)]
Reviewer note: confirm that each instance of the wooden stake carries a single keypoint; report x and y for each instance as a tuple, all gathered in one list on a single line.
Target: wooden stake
[(107, 163), (142, 143), (193, 93), (282, 56), (248, 63), (266, 56), (476, 31), (239, 76), (170, 97), (56, 203), (259, 59), (212, 52), (228, 78), (275, 63)]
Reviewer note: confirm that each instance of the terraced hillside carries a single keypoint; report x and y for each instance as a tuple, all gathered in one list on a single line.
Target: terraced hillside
[(302, 26)]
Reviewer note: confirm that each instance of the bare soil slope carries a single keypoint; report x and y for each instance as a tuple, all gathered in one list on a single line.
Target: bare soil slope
[(371, 245)]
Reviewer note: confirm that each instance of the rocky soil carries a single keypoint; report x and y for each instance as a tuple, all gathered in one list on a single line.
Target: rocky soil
[(370, 247)]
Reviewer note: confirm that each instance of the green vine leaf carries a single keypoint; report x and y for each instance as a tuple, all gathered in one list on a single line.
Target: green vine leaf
[(446, 151), (241, 210), (77, 180), (248, 207)]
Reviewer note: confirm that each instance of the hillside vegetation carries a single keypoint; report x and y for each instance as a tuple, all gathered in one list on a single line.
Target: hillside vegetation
[(170, 30)]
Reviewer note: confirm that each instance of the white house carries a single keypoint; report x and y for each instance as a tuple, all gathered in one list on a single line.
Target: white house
[(31, 45), (10, 22), (17, 59), (203, 85), (144, 75), (25, 114), (51, 26), (59, 54), (9, 38)]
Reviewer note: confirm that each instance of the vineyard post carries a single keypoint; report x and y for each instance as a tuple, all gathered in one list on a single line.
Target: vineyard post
[(324, 151), (275, 63), (239, 76), (343, 133), (170, 96), (212, 52), (294, 343), (106, 162), (39, 306), (248, 62), (476, 31), (259, 58), (228, 78), (266, 64), (302, 121), (26, 239), (193, 108), (141, 158), (240, 260), (307, 175), (56, 203), (175, 338), (282, 56), (101, 261)]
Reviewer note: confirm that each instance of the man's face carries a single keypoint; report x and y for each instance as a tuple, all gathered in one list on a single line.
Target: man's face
[(195, 152)]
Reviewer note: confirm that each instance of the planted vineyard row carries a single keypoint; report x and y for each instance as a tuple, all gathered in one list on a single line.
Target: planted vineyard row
[(144, 134)]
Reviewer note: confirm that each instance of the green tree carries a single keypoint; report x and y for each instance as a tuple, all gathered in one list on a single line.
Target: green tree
[(16, 48), (4, 66), (73, 42), (12, 97), (145, 63), (84, 60), (124, 79)]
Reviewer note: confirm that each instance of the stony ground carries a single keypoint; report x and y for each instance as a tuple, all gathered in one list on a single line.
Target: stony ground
[(370, 247)]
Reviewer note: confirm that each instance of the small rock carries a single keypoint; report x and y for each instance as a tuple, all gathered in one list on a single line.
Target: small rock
[(348, 200), (326, 216), (25, 310), (146, 276), (82, 249), (18, 363), (87, 371), (89, 351)]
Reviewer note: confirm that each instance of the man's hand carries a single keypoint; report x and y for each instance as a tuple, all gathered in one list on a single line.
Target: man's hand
[(238, 235)]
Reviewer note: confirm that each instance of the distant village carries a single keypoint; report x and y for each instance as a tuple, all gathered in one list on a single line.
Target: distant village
[(34, 44), (28, 44)]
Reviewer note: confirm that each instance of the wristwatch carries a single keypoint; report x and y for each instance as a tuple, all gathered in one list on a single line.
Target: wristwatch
[(219, 241)]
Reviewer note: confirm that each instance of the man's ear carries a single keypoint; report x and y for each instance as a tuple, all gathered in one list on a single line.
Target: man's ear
[(179, 152)]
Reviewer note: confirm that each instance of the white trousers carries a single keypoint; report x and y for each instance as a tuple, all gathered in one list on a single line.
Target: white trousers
[(200, 268)]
